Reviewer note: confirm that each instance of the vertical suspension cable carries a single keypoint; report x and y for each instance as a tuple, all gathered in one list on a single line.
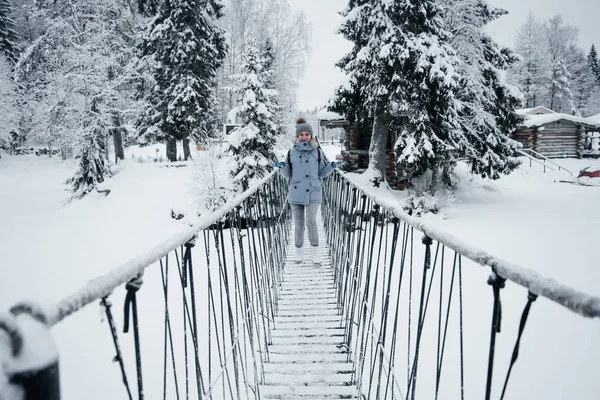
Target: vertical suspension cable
[(412, 384), (462, 358), (497, 283), (530, 299), (232, 323), (164, 272), (405, 229), (441, 354), (131, 303), (119, 356)]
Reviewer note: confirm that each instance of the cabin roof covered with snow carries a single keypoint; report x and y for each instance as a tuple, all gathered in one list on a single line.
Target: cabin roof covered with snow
[(324, 115), (535, 111), (595, 120), (532, 121)]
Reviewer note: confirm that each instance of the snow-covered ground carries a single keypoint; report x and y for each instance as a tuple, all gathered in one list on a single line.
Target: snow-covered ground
[(50, 248)]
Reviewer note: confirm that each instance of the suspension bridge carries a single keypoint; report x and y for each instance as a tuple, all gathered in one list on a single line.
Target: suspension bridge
[(396, 310)]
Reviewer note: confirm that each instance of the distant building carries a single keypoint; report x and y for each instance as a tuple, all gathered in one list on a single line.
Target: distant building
[(356, 142), (552, 134)]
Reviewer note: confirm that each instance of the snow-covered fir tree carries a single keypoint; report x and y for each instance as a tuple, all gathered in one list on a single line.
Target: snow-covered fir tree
[(289, 34), (93, 167), (187, 49), (594, 63), (8, 36), (560, 37), (252, 144), (583, 80), (401, 57), (529, 71), (268, 60), (91, 152), (487, 101), (9, 106)]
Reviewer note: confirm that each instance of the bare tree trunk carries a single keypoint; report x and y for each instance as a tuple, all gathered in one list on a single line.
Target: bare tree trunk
[(435, 177), (186, 149), (116, 128), (171, 149), (378, 145), (118, 144)]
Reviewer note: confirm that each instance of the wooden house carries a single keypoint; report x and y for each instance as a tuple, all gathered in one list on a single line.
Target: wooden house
[(356, 143), (552, 134)]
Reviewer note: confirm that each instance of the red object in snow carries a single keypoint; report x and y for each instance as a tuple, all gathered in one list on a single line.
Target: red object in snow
[(590, 172)]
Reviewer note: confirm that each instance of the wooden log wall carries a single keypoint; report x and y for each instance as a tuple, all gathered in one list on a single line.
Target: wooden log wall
[(555, 140)]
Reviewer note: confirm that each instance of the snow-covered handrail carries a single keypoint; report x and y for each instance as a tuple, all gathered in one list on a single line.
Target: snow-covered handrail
[(575, 300), (523, 152), (102, 286)]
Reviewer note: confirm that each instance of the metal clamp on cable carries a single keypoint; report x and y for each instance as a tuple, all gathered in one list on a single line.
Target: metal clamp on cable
[(497, 282), (132, 287), (28, 356)]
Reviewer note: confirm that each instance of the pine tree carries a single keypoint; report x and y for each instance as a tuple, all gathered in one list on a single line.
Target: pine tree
[(594, 63), (560, 37), (187, 49), (487, 101), (529, 72), (267, 57), (401, 58), (8, 36), (93, 167), (252, 145), (583, 81), (560, 97)]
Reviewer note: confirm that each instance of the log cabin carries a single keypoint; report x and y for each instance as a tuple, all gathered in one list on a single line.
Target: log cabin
[(356, 142), (552, 134)]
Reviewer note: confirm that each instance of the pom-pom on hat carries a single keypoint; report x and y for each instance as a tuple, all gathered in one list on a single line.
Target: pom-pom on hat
[(303, 126)]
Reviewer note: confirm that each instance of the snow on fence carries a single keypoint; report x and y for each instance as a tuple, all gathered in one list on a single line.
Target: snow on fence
[(415, 308)]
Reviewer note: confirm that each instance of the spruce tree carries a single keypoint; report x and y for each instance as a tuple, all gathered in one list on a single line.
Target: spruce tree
[(252, 145), (93, 167), (401, 59), (529, 71), (8, 36), (267, 57), (187, 49), (487, 101), (594, 63)]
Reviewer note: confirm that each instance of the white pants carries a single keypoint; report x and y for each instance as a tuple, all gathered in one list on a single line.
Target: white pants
[(298, 214)]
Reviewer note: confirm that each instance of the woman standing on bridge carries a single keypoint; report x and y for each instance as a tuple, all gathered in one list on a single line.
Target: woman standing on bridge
[(304, 167)]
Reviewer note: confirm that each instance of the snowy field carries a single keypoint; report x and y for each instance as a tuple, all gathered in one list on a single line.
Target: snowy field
[(50, 248)]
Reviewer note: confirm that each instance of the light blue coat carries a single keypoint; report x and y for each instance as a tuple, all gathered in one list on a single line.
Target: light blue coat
[(305, 173)]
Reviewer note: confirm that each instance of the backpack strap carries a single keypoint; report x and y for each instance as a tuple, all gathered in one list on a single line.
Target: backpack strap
[(319, 152)]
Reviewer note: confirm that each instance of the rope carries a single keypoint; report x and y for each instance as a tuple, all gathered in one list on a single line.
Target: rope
[(497, 283), (119, 357), (164, 272), (530, 299), (131, 303), (412, 382)]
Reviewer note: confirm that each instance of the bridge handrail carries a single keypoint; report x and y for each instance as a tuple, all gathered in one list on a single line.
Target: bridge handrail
[(102, 286), (573, 299), (523, 152)]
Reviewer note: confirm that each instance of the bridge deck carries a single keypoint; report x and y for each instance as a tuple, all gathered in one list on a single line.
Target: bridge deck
[(308, 358)]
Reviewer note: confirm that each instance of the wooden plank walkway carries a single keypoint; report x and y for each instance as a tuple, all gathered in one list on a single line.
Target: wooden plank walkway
[(308, 356)]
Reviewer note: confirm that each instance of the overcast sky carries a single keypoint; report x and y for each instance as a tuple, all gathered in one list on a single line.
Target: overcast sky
[(322, 77)]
